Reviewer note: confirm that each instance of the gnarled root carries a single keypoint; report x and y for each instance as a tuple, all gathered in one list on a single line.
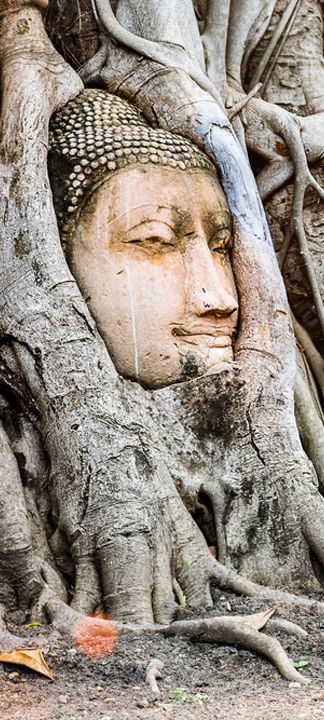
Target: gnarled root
[(229, 580), (61, 616), (260, 119), (217, 629), (229, 631), (10, 642), (274, 626)]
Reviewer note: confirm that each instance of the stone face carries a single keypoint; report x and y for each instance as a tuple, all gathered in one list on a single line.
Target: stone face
[(151, 240), (151, 255)]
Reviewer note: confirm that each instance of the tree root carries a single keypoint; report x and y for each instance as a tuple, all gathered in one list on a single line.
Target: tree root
[(10, 642), (62, 616), (221, 630), (303, 179), (310, 420), (165, 55), (229, 580), (274, 626), (313, 356), (280, 124), (153, 673), (217, 629), (233, 111), (181, 598), (214, 40), (275, 45)]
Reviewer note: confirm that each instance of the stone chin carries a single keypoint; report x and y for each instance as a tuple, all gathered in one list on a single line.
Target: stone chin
[(195, 363)]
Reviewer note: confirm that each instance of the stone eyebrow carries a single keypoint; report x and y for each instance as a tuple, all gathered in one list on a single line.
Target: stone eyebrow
[(148, 221), (176, 220)]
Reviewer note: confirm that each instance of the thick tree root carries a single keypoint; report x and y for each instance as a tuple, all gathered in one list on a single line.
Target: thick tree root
[(168, 55), (230, 581), (62, 616), (229, 631), (220, 630), (10, 642)]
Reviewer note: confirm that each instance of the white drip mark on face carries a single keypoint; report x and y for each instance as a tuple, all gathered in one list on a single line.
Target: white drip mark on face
[(131, 303)]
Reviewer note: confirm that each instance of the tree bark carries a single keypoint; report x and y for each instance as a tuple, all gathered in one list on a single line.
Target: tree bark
[(112, 506), (123, 502)]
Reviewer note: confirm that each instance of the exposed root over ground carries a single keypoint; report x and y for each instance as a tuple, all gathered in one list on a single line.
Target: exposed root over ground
[(230, 631), (10, 642), (222, 629)]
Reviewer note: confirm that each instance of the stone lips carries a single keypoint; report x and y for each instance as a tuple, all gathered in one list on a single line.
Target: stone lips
[(96, 134)]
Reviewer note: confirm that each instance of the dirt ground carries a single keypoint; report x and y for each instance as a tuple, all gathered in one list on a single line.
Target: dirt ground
[(199, 680)]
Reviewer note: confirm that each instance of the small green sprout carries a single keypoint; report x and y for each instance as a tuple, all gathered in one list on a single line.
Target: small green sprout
[(300, 664), (180, 695)]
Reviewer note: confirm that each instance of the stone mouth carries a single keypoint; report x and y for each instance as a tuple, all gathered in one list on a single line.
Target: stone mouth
[(219, 335)]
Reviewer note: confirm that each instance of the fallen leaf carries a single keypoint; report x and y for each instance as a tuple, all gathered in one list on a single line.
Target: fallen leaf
[(30, 657), (256, 620)]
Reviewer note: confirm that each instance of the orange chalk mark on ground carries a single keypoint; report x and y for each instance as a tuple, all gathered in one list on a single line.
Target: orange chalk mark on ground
[(96, 635)]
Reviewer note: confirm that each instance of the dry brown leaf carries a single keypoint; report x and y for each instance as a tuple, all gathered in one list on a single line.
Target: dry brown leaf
[(30, 657), (256, 620)]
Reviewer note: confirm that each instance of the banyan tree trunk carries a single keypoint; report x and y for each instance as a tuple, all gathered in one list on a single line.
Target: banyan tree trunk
[(112, 492), (266, 519), (114, 503)]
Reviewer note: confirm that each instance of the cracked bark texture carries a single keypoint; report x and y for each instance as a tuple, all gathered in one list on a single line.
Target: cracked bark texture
[(120, 490)]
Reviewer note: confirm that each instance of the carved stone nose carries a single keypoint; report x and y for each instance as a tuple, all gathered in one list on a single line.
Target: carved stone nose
[(205, 288), (217, 300)]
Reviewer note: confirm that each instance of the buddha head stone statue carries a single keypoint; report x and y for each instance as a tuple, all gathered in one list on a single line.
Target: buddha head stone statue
[(147, 231)]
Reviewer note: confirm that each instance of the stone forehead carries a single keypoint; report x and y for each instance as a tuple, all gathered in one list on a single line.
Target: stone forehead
[(98, 133)]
